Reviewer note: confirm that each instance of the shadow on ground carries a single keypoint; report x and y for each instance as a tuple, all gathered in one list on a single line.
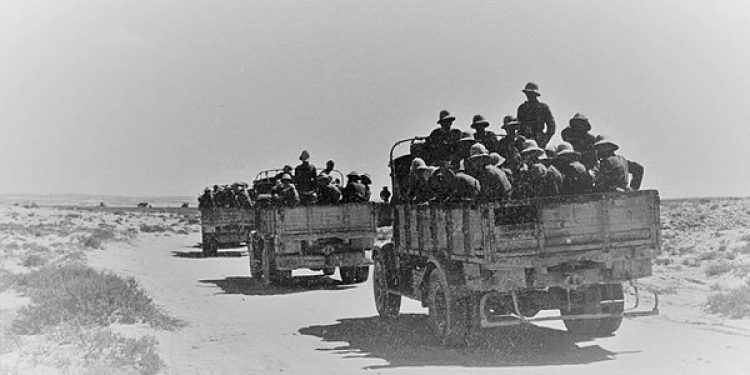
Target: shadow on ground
[(407, 341), (219, 254), (255, 287)]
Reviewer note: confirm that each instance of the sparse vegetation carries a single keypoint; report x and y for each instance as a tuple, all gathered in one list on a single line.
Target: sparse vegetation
[(156, 228), (734, 303), (83, 296), (34, 260), (718, 268)]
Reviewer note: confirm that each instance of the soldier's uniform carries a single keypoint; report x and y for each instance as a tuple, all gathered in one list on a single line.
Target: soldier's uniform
[(495, 184), (531, 179), (575, 177), (328, 192), (482, 135), (534, 116), (440, 184), (206, 200), (286, 193), (354, 191), (304, 176), (441, 142), (465, 187), (511, 143), (612, 171)]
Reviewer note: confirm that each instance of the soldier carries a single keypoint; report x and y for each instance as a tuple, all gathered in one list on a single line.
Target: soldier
[(464, 187), (354, 191), (385, 194), (367, 181), (493, 180), (532, 178), (328, 192), (511, 143), (417, 184), (577, 134), (442, 141), (287, 169), (328, 169), (440, 184), (486, 137), (286, 193), (575, 177), (243, 197), (304, 178), (612, 171), (206, 200), (535, 116)]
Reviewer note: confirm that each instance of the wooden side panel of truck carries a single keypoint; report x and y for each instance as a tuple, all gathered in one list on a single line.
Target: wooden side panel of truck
[(221, 226)]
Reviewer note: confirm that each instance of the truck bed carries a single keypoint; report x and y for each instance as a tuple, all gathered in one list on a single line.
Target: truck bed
[(540, 232)]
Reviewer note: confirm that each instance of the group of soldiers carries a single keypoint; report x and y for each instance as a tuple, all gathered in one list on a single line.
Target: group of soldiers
[(308, 186), (454, 165), (227, 196)]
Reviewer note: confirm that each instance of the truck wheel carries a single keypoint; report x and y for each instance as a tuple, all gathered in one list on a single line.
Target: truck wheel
[(588, 301), (348, 275), (255, 253), (447, 314), (280, 277), (362, 273), (329, 271), (387, 303), (210, 246)]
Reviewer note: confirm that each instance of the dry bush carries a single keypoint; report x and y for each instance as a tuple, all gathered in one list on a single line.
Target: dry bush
[(96, 237), (156, 228), (734, 303), (33, 260), (80, 295), (104, 350), (718, 268), (708, 255)]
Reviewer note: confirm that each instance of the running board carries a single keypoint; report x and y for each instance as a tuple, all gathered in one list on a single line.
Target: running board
[(518, 319)]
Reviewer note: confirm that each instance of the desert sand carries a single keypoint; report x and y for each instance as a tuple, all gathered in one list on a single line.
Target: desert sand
[(231, 324)]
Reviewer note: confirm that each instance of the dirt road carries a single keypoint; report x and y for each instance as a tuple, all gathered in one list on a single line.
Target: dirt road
[(236, 326)]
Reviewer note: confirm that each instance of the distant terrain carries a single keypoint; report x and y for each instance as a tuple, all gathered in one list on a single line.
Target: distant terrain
[(94, 200)]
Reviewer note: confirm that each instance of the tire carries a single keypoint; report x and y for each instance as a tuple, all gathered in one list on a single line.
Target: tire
[(588, 301), (448, 316), (210, 246), (255, 253), (329, 271), (387, 303), (280, 277), (362, 273), (348, 275)]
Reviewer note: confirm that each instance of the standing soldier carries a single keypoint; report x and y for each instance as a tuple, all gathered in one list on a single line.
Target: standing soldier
[(304, 178), (535, 116), (441, 142), (612, 171), (486, 137)]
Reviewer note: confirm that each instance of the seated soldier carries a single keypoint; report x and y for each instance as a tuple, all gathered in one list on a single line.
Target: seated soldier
[(577, 134), (494, 180), (329, 167), (440, 184), (367, 181), (286, 193), (354, 191), (464, 187), (417, 184), (612, 171), (442, 141), (328, 192), (511, 143), (532, 176), (243, 198), (575, 177), (482, 135)]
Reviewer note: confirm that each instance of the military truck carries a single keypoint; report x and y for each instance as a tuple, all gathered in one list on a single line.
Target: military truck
[(318, 237), (493, 264), (225, 226)]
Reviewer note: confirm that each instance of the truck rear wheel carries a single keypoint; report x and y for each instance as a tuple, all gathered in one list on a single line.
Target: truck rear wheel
[(589, 301), (210, 246), (387, 303), (255, 253), (448, 316)]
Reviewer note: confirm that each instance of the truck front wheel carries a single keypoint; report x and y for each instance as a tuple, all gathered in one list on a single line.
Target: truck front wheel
[(448, 316), (387, 303), (595, 299), (353, 274)]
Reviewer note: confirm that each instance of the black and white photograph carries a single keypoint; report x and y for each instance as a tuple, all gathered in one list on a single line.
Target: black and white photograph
[(374, 187)]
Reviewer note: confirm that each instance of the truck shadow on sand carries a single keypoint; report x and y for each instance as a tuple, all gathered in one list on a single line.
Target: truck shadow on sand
[(407, 342), (219, 254), (255, 287)]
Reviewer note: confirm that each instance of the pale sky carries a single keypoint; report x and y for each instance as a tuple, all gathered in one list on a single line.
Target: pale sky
[(166, 97)]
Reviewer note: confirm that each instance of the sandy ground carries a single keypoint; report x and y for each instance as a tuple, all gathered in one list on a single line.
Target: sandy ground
[(235, 325)]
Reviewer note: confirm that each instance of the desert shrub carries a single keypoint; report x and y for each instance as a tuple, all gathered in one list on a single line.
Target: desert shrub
[(662, 261), (156, 228), (105, 349), (744, 249), (718, 268), (80, 295), (34, 260), (708, 255), (734, 303), (96, 238)]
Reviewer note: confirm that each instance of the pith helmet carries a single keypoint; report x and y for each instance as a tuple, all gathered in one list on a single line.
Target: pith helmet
[(605, 144), (288, 168), (445, 116), (304, 155), (580, 122), (416, 163), (466, 137), (479, 122), (531, 88), (352, 174), (496, 159), (477, 149), (286, 177), (366, 179), (511, 122), (565, 150), (530, 146)]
